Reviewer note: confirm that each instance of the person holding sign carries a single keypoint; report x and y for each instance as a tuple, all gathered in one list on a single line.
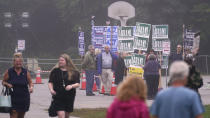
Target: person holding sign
[(150, 52), (152, 70), (120, 71), (178, 56)]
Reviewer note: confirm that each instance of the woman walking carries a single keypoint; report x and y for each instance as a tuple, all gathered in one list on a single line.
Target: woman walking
[(19, 79), (63, 82), (152, 72), (130, 100)]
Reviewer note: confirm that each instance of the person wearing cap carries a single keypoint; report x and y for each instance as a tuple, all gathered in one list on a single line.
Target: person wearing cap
[(177, 101)]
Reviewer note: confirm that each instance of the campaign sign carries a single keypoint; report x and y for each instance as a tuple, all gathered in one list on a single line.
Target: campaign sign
[(140, 43), (81, 44), (142, 30), (125, 45), (160, 31)]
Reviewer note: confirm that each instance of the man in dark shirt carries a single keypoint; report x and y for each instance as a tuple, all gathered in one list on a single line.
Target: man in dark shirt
[(178, 56)]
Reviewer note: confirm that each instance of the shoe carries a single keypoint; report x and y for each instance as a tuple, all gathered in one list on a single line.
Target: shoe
[(108, 94), (90, 94)]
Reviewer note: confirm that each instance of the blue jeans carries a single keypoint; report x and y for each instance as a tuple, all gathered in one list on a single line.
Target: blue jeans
[(89, 80)]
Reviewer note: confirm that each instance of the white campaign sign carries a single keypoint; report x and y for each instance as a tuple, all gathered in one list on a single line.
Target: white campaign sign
[(21, 44), (166, 47)]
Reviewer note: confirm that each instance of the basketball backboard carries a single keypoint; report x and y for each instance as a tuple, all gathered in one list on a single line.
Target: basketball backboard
[(122, 11)]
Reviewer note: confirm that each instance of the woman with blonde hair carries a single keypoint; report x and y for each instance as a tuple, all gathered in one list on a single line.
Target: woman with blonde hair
[(63, 82), (130, 99), (19, 80)]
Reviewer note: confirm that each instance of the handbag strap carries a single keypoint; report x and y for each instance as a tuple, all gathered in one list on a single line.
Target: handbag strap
[(2, 91), (5, 91)]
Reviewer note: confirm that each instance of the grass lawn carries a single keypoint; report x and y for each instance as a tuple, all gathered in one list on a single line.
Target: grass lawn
[(101, 112), (207, 113), (89, 113)]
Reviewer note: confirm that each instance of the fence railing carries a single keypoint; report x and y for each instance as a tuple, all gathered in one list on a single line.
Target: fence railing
[(202, 62), (32, 65)]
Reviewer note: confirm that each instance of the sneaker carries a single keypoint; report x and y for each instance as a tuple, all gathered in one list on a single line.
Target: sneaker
[(101, 93), (90, 94), (108, 94)]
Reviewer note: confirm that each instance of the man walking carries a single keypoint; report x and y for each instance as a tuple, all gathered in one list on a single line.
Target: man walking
[(89, 65), (177, 101), (105, 66)]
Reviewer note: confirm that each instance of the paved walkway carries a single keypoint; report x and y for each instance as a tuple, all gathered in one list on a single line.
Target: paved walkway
[(40, 99)]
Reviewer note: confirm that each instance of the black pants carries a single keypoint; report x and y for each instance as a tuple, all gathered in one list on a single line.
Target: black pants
[(152, 85)]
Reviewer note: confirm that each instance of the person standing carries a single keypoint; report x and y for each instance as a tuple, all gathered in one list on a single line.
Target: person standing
[(150, 52), (97, 78), (63, 82), (120, 70), (89, 65), (178, 56), (130, 101), (177, 101), (195, 80), (19, 79), (152, 72), (105, 68)]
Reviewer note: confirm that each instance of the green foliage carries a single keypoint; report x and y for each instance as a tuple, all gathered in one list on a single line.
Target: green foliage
[(54, 23)]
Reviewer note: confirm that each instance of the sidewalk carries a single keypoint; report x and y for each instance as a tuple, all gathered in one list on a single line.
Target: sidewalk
[(40, 99)]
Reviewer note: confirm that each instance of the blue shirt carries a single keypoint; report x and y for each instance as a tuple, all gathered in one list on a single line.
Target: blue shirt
[(151, 67), (177, 102), (106, 60)]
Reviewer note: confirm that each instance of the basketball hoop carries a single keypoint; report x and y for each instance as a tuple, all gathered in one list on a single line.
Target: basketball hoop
[(122, 11)]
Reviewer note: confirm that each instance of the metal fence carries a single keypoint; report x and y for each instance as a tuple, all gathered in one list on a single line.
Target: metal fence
[(32, 64), (202, 63)]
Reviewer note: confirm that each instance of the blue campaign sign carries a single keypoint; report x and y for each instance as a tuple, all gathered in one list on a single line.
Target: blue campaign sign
[(188, 39), (111, 37), (98, 36), (81, 43)]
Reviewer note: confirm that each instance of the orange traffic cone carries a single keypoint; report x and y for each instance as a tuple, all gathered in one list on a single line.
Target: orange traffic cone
[(38, 77), (102, 90), (94, 86), (83, 81), (114, 88)]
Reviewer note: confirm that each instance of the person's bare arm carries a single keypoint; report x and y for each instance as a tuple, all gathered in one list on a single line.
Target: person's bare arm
[(5, 79), (50, 85), (31, 86)]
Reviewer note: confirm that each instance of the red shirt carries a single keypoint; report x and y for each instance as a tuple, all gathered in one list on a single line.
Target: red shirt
[(133, 108)]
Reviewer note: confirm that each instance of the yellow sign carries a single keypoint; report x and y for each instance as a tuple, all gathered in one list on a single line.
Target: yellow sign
[(136, 70)]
